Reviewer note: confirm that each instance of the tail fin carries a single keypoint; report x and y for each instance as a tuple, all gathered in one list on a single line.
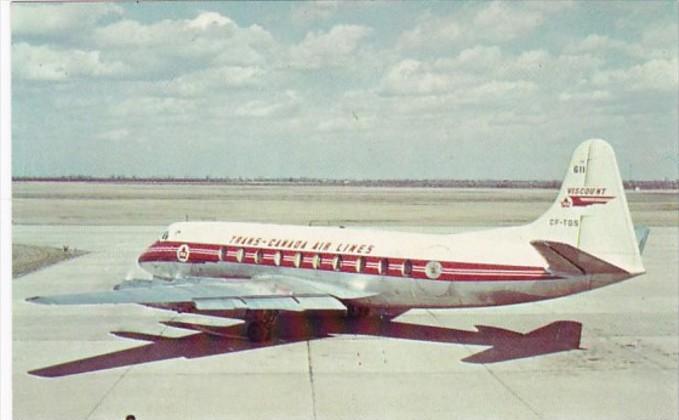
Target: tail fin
[(590, 212)]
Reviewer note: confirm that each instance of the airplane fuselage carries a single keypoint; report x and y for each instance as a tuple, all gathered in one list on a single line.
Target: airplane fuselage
[(398, 269)]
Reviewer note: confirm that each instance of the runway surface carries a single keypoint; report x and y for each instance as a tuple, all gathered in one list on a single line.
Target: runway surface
[(626, 367)]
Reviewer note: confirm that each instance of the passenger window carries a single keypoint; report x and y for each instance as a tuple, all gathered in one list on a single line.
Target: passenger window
[(277, 258), (258, 256), (383, 267), (223, 252), (316, 261), (360, 264), (337, 263), (407, 268), (298, 259), (239, 254)]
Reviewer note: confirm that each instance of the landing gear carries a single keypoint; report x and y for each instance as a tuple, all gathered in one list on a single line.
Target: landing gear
[(357, 311), (260, 325), (259, 332)]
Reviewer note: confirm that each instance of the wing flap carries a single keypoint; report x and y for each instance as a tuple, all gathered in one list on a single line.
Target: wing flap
[(310, 303)]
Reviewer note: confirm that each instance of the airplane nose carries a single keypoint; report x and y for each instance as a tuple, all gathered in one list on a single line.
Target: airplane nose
[(147, 254)]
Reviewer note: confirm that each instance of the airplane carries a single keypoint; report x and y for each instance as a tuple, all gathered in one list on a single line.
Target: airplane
[(585, 240)]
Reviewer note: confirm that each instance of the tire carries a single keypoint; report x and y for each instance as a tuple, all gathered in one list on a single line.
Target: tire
[(357, 312), (258, 332)]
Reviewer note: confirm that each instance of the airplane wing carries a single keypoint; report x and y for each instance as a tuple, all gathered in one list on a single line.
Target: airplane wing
[(257, 293)]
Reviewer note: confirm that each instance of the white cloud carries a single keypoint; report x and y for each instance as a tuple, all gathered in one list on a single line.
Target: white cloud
[(467, 73), (209, 19), (498, 22), (431, 32), (475, 74), (328, 49), (209, 37), (413, 77), (656, 74), (58, 19), (114, 135), (311, 11), (503, 21), (593, 96), (211, 80), (656, 42), (480, 57), (593, 43), (282, 107), (155, 107), (131, 33), (46, 63)]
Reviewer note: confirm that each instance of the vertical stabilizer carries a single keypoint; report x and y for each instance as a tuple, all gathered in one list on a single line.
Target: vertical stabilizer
[(590, 212)]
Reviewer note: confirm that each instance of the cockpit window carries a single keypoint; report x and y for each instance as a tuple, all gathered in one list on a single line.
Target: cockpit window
[(164, 236)]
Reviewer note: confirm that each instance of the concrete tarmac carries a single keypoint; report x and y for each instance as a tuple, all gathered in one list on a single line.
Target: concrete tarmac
[(626, 367)]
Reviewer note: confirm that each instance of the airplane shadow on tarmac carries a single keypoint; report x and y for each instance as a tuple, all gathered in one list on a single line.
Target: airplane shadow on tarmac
[(292, 328)]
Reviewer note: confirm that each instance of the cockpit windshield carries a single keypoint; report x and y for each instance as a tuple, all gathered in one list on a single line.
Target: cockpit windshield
[(164, 236)]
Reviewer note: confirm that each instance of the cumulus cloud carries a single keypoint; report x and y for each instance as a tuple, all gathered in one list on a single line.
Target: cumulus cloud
[(154, 107), (497, 21), (46, 63), (589, 96), (207, 38), (280, 107), (413, 77), (311, 11), (504, 21), (467, 71), (480, 57), (431, 32), (656, 74), (114, 135), (328, 49), (175, 33), (210, 81), (59, 19)]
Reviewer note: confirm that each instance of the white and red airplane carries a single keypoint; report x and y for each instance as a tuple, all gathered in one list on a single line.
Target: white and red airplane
[(584, 241)]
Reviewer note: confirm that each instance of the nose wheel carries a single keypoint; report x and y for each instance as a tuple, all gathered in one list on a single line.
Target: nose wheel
[(260, 325)]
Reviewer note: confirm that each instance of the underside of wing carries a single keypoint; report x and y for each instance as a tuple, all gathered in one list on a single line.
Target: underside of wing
[(258, 293)]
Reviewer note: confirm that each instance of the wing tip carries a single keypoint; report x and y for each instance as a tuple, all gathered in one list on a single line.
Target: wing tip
[(38, 299)]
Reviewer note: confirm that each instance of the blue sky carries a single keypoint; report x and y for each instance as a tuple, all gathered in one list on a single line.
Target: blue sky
[(342, 89)]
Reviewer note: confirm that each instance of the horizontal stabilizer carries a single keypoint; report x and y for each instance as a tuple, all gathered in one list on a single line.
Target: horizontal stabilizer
[(641, 233), (568, 260)]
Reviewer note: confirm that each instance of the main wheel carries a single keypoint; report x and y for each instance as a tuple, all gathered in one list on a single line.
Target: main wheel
[(259, 331)]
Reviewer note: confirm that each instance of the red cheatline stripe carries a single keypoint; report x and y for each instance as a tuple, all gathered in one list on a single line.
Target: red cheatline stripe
[(450, 270)]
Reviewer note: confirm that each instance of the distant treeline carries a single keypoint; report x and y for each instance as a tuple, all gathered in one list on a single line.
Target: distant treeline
[(422, 183)]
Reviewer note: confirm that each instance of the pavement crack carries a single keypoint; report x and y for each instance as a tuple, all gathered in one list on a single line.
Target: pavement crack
[(115, 384), (107, 393), (511, 391), (311, 379), (504, 385)]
